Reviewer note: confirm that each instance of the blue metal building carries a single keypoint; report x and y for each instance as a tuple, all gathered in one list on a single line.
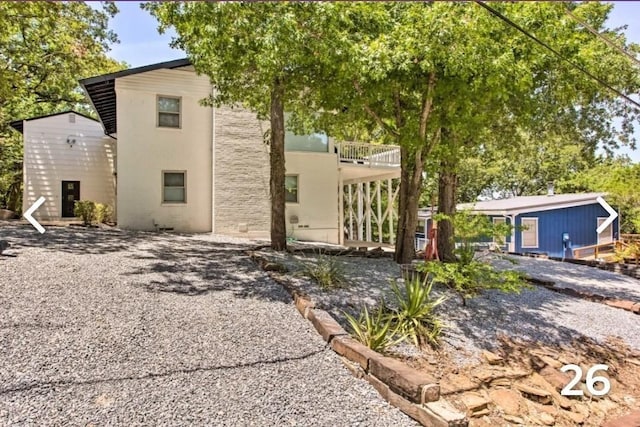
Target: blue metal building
[(554, 224)]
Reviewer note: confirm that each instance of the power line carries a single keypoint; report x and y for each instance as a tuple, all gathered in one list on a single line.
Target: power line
[(558, 54), (602, 37)]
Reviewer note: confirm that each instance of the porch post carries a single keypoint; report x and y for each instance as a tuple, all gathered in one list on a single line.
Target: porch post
[(379, 206), (368, 210)]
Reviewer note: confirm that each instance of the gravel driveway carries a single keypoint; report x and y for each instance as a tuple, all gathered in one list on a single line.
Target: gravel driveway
[(107, 327)]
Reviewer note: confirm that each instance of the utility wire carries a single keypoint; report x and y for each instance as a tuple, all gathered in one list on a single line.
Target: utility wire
[(558, 54), (602, 37)]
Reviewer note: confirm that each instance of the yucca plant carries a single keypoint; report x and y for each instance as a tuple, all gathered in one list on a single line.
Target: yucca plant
[(414, 316), (376, 331)]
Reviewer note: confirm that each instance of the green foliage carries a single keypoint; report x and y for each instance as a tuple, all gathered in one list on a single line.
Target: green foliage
[(326, 271), (374, 330), (469, 279), (620, 179), (628, 252), (86, 210), (414, 316), (104, 213)]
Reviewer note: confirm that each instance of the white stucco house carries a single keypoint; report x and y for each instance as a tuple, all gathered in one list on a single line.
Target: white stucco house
[(67, 157), (190, 168)]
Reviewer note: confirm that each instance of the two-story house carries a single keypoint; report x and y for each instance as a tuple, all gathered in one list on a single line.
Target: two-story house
[(193, 168)]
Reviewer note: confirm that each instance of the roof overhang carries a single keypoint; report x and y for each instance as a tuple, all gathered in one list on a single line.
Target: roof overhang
[(101, 90), (589, 199)]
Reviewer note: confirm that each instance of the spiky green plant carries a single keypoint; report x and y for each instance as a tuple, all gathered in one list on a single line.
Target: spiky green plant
[(326, 271), (414, 316), (376, 331)]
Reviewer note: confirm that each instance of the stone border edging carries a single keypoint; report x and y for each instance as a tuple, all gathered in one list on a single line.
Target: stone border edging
[(626, 269), (415, 393), (633, 307)]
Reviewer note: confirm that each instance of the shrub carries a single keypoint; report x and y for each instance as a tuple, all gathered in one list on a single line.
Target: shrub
[(86, 210), (326, 271), (374, 331), (414, 316), (104, 213), (469, 279)]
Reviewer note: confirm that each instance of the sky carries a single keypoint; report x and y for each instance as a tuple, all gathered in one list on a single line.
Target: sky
[(140, 44)]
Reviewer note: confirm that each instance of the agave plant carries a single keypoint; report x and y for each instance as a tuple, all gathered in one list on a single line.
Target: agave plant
[(414, 316), (375, 330)]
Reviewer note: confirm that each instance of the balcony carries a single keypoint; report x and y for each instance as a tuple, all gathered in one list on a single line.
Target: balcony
[(370, 155), (361, 162)]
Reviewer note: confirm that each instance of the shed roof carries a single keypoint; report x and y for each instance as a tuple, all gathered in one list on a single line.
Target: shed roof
[(19, 124), (102, 93), (523, 204)]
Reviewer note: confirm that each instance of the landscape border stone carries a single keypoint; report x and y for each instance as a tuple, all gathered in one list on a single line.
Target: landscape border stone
[(415, 393)]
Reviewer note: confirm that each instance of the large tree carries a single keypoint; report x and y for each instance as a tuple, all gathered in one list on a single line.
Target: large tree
[(45, 47), (261, 56), (444, 80)]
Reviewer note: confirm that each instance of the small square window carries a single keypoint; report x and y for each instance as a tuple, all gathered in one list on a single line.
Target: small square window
[(173, 187), (169, 112), (291, 188)]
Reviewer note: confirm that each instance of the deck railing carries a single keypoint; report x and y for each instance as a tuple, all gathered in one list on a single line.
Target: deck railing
[(596, 251), (368, 154)]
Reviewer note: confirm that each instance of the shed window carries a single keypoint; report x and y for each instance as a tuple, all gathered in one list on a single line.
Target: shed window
[(168, 112), (174, 188), (530, 232), (291, 188)]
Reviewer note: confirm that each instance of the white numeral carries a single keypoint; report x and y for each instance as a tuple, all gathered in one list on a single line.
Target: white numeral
[(590, 381)]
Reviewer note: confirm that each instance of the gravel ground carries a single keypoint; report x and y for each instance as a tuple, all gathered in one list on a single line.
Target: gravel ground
[(535, 314), (580, 277), (109, 328)]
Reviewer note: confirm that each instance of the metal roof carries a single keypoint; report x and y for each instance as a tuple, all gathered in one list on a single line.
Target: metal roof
[(102, 94), (19, 124), (524, 204)]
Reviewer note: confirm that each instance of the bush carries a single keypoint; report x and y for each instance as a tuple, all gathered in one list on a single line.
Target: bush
[(374, 331), (86, 210), (469, 279), (104, 213), (414, 316), (326, 271)]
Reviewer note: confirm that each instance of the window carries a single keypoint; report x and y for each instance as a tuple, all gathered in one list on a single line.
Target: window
[(530, 232), (173, 187), (168, 112), (607, 234), (291, 188), (316, 142)]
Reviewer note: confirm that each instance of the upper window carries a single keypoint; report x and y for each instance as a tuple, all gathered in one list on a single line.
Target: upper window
[(291, 188), (316, 142), (173, 187), (168, 112), (530, 232)]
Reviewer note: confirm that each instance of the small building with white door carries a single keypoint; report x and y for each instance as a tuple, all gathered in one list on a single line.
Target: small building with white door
[(67, 157), (556, 224)]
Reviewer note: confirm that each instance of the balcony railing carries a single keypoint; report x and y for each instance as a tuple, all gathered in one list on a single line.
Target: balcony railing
[(370, 155)]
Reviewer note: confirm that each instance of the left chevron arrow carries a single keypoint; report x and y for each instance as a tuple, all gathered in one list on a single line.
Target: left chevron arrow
[(31, 210)]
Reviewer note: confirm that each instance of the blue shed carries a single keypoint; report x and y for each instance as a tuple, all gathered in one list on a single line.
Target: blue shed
[(555, 224)]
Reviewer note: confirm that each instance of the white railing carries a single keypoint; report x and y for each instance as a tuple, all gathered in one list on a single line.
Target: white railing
[(368, 154)]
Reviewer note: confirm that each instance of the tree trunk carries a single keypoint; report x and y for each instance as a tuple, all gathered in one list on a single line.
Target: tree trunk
[(410, 187), (447, 183), (276, 158)]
